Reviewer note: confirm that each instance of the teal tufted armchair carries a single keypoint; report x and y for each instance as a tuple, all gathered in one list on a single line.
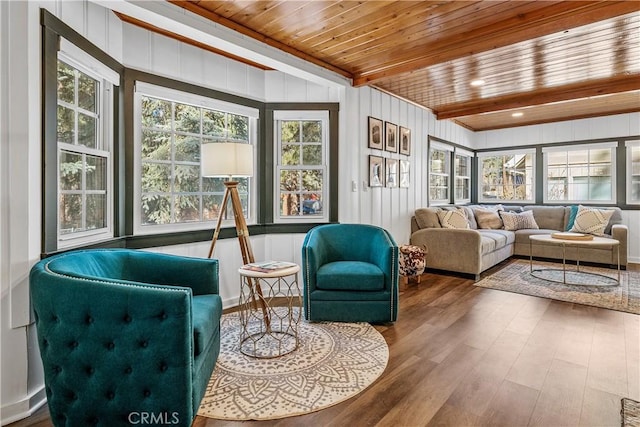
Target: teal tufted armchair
[(126, 336), (350, 274)]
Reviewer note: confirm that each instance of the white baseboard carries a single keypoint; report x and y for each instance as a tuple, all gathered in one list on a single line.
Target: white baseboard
[(24, 408)]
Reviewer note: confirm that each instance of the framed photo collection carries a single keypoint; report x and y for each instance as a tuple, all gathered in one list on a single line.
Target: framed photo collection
[(388, 137)]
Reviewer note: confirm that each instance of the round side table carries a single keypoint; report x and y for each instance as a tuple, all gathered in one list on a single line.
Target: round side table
[(270, 310)]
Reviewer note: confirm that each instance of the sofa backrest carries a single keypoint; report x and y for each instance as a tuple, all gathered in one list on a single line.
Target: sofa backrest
[(549, 217)]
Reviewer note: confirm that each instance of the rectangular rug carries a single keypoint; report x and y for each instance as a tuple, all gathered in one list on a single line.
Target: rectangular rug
[(598, 291)]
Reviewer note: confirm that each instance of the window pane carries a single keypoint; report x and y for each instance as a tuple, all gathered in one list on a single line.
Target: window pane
[(213, 123), (87, 92), (290, 131), (290, 180), (312, 154), (96, 211), (312, 204), (66, 125), (312, 180), (87, 131), (213, 185), (238, 127), (312, 131), (187, 208), (187, 118), (289, 204), (635, 189), (96, 173), (187, 148), (70, 171), (70, 213), (66, 83), (155, 177), (156, 113), (156, 209), (290, 154), (156, 145), (508, 177), (211, 207), (187, 179)]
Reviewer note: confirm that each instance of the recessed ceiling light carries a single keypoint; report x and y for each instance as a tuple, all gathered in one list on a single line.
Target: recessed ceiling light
[(518, 114), (477, 82)]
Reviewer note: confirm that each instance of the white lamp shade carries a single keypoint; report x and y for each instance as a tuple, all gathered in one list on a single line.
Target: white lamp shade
[(227, 159)]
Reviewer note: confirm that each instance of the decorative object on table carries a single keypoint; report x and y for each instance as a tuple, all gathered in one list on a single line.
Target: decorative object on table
[(334, 362), (275, 333), (630, 412), (412, 262), (405, 141), (376, 135), (376, 171), (122, 331), (391, 137), (350, 274), (568, 235), (405, 173), (516, 277), (391, 172)]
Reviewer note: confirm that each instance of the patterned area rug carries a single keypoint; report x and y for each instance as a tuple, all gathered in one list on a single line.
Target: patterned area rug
[(334, 362), (630, 413), (596, 291)]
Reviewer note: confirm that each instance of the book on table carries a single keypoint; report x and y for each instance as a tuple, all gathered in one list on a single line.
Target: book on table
[(268, 266)]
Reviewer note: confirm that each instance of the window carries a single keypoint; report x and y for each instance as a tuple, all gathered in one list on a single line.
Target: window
[(84, 144), (462, 170), (633, 172), (506, 176), (301, 153), (439, 173), (580, 173), (172, 126)]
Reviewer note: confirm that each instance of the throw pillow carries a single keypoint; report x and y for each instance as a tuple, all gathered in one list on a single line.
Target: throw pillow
[(488, 218), (591, 220), (518, 221), (572, 217), (455, 218), (427, 218)]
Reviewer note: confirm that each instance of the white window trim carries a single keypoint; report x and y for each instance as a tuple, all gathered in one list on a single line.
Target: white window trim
[(76, 58), (485, 154), (448, 149), (173, 95), (469, 155), (630, 145), (323, 116), (566, 148)]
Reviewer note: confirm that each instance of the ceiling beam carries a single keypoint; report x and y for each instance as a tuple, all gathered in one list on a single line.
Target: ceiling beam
[(616, 84), (558, 17), (214, 17)]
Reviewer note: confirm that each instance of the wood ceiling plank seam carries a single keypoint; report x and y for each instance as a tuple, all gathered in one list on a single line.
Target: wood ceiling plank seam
[(266, 40), (459, 48), (287, 27), (262, 14)]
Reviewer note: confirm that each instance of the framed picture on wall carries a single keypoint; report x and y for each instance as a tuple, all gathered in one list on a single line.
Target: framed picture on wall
[(405, 141), (405, 173), (391, 172), (376, 171), (375, 134), (391, 137)]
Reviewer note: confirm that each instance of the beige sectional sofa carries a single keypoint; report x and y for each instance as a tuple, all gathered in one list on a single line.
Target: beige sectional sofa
[(474, 250)]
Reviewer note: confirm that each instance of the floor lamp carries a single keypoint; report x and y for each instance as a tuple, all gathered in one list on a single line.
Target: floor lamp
[(232, 159)]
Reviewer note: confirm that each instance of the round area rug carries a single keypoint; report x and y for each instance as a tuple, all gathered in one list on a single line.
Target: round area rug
[(333, 362)]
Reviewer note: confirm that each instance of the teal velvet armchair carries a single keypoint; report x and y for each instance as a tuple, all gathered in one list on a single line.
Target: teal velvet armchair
[(125, 335), (350, 274)]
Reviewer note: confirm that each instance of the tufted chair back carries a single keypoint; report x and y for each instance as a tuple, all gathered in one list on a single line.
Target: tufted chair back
[(125, 335)]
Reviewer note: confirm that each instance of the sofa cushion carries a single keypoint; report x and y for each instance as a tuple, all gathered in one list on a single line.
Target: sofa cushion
[(427, 217), (517, 221), (548, 217), (591, 220), (522, 236), (206, 310), (488, 218), (456, 218), (470, 217), (350, 276), (493, 240)]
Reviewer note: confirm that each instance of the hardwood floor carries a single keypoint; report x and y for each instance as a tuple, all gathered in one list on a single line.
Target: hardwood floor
[(467, 356)]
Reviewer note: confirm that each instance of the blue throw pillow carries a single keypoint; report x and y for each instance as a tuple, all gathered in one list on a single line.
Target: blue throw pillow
[(572, 217)]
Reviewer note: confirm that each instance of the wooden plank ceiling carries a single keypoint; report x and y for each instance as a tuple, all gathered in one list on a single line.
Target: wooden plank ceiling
[(549, 60)]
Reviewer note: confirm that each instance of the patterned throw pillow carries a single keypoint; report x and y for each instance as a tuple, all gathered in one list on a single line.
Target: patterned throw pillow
[(453, 218), (488, 218), (518, 221), (591, 220)]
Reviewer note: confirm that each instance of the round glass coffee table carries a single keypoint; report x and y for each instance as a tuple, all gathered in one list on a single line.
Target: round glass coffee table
[(603, 242), (270, 310)]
